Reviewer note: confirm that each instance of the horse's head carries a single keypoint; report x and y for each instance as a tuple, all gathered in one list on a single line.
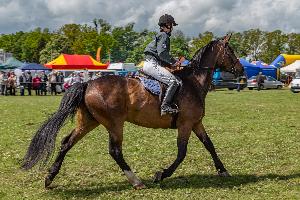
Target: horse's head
[(227, 61)]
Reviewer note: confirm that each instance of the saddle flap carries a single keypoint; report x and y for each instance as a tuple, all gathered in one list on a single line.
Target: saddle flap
[(151, 85)]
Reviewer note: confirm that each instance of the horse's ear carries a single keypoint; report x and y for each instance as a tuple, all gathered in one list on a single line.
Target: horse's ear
[(227, 38)]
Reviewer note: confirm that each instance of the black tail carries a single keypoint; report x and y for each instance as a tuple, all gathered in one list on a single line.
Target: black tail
[(43, 143)]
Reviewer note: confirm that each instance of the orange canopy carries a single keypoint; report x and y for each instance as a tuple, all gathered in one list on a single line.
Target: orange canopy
[(75, 62)]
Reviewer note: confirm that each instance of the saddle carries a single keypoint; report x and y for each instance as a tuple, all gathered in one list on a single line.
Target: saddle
[(154, 86)]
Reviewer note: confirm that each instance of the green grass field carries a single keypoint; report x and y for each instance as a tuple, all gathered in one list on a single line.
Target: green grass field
[(257, 136)]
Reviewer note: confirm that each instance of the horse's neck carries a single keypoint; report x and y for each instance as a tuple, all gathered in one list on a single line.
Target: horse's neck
[(204, 73), (203, 79)]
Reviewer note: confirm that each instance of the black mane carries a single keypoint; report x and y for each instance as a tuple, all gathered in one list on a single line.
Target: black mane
[(195, 62)]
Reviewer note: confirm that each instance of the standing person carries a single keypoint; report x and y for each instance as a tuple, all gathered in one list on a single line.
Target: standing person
[(36, 84), (11, 83), (29, 82), (78, 78), (260, 79), (3, 79), (60, 80), (157, 54), (53, 82), (22, 81), (44, 80)]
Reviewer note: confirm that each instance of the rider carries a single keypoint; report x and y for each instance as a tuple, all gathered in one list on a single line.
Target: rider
[(157, 56)]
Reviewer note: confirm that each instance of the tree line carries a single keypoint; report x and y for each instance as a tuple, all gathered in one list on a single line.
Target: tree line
[(124, 44)]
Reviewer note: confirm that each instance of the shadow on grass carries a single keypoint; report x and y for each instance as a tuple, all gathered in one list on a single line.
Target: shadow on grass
[(210, 181), (191, 181)]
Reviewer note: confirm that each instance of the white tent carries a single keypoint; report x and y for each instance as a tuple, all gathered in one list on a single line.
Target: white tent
[(295, 66), (121, 66)]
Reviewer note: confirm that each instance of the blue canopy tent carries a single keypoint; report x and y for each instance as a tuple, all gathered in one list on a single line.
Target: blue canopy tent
[(254, 69), (250, 69), (267, 70), (33, 66)]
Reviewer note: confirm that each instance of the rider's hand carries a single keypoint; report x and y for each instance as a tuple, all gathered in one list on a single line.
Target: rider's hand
[(177, 64)]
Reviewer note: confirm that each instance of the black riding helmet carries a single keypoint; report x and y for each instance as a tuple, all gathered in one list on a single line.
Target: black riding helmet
[(166, 19)]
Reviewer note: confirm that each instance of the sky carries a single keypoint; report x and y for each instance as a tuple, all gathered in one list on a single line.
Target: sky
[(193, 16)]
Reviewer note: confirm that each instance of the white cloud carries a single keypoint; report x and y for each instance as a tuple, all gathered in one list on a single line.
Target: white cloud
[(193, 16)]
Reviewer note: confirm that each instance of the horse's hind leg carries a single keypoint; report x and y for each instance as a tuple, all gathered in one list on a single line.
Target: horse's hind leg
[(115, 150), (85, 123), (202, 135), (184, 133)]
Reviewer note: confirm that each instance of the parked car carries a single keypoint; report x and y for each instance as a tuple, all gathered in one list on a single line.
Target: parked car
[(229, 84), (295, 85), (229, 81), (269, 83), (218, 84)]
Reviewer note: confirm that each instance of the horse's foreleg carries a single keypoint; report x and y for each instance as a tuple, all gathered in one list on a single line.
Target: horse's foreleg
[(115, 150), (182, 142), (199, 130), (84, 125)]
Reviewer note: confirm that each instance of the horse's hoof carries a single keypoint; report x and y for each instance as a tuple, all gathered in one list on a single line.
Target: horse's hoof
[(139, 186), (48, 182), (157, 177), (224, 174)]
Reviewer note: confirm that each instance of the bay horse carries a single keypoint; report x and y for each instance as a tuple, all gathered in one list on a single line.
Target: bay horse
[(112, 100)]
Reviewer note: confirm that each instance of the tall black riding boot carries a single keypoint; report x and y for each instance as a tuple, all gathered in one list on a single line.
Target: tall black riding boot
[(168, 99)]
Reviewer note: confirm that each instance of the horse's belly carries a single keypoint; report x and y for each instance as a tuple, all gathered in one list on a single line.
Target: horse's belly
[(149, 116), (143, 108)]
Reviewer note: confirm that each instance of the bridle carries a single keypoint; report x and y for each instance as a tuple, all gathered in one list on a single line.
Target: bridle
[(225, 52)]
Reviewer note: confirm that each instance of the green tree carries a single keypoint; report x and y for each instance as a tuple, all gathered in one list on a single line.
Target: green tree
[(86, 41), (13, 43), (126, 41), (104, 39), (179, 45), (58, 44), (137, 54), (199, 42), (34, 42), (253, 42), (236, 44), (102, 25), (275, 44), (71, 32), (293, 43)]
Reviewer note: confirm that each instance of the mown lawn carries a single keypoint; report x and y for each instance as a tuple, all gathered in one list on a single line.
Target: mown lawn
[(257, 136)]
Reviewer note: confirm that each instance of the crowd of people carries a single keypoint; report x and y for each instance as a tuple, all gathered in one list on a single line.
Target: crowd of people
[(40, 82), (43, 83)]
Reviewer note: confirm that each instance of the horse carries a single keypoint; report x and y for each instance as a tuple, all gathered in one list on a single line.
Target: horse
[(112, 100)]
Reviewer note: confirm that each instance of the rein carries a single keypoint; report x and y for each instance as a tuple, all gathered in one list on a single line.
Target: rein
[(195, 62)]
